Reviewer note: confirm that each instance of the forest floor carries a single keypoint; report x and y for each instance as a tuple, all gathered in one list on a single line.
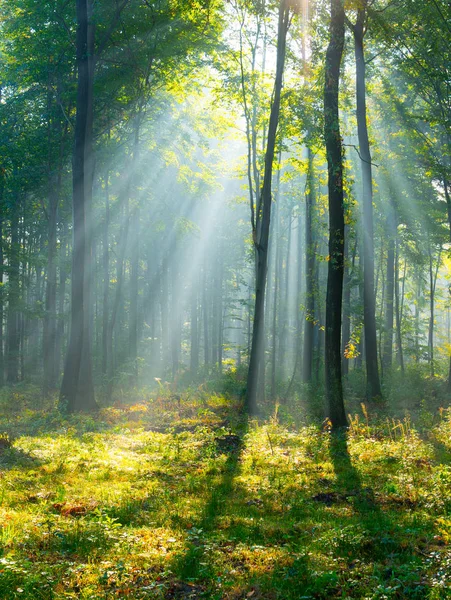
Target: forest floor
[(185, 498)]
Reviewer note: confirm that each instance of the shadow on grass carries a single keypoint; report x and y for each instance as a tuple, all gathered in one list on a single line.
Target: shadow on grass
[(193, 563), (386, 540), (363, 549), (16, 458), (442, 452)]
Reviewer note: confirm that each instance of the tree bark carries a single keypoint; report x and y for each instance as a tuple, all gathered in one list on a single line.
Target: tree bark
[(276, 296), (205, 315), (77, 390), (398, 314), (59, 352), (134, 252), (106, 278), (261, 238), (448, 206), (346, 333), (194, 346), (310, 268), (134, 291), (334, 149), (13, 324), (387, 359), (2, 268), (369, 305)]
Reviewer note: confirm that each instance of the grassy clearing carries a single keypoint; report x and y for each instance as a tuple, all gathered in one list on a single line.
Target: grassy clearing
[(184, 498)]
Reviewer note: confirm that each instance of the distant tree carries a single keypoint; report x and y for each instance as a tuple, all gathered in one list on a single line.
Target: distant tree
[(369, 300), (261, 216)]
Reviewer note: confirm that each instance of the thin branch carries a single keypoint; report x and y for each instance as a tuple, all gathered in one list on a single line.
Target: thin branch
[(361, 158), (442, 15)]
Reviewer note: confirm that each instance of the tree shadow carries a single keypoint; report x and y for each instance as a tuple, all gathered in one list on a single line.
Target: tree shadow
[(16, 458), (384, 538), (193, 563), (442, 452), (367, 536)]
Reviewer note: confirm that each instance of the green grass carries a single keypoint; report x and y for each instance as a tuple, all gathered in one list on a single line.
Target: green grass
[(143, 501)]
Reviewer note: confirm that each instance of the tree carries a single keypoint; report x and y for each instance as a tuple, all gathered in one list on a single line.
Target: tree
[(369, 305), (261, 217), (77, 388), (332, 136)]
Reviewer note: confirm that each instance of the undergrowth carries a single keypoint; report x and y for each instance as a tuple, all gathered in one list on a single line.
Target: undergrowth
[(180, 496)]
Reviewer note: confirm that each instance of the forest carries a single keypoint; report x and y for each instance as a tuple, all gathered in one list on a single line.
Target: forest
[(225, 299)]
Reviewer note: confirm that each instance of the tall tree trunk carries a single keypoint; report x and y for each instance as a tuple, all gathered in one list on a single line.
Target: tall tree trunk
[(369, 304), (13, 342), (194, 346), (431, 313), (398, 314), (134, 251), (283, 308), (175, 315), (347, 285), (220, 314), (387, 359), (310, 268), (276, 296), (261, 238), (134, 291), (77, 389), (59, 351), (50, 297), (164, 306), (205, 316), (432, 287), (334, 297), (448, 206), (86, 384), (115, 312), (2, 213), (106, 277)]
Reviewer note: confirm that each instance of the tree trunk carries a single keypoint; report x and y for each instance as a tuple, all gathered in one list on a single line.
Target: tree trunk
[(77, 390), (205, 315), (59, 352), (134, 252), (431, 313), (276, 295), (398, 311), (448, 206), (369, 305), (432, 287), (220, 313), (13, 342), (347, 279), (2, 212), (175, 316), (134, 291), (194, 346), (387, 359), (334, 297), (310, 267), (164, 306), (49, 338), (106, 278), (261, 241), (283, 308)]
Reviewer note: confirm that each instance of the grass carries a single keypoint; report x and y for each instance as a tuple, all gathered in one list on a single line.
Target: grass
[(186, 498)]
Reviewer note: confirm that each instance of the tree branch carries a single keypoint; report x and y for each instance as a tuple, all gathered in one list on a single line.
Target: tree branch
[(361, 158), (109, 31)]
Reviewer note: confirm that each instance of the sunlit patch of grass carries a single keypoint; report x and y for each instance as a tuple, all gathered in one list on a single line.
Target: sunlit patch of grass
[(146, 503)]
